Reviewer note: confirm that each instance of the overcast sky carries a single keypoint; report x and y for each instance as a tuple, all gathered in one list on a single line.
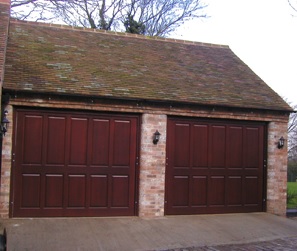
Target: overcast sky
[(263, 33)]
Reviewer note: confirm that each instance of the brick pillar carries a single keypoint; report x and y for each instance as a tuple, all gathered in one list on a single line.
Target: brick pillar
[(6, 148), (152, 166), (6, 166), (277, 170)]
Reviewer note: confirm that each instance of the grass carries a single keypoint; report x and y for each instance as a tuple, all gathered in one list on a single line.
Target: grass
[(292, 195)]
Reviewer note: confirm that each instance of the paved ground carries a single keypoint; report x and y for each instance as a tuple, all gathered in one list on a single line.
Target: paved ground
[(284, 244), (257, 231)]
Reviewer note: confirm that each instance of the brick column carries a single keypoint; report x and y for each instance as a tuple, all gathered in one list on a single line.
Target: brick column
[(277, 170), (152, 166), (6, 148), (6, 166)]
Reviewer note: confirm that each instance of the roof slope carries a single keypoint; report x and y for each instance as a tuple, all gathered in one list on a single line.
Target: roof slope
[(61, 59)]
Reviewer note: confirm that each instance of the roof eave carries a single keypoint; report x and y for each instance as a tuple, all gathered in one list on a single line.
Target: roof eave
[(149, 101)]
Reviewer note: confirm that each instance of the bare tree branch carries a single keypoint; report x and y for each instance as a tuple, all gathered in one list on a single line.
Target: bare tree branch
[(293, 4), (157, 17), (17, 3), (292, 136)]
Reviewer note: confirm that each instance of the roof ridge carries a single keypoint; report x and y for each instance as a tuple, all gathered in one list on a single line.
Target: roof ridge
[(116, 33)]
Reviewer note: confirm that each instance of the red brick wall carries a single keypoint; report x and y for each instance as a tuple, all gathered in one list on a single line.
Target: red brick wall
[(276, 169), (4, 23), (152, 166), (5, 171), (6, 167)]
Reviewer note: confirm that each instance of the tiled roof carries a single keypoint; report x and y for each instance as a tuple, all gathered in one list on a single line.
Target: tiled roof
[(74, 61)]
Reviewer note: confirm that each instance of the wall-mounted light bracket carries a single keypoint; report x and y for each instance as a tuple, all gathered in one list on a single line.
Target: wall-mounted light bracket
[(156, 137), (281, 143)]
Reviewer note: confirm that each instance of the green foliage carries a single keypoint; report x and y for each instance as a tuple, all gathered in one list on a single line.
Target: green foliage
[(292, 195), (133, 26)]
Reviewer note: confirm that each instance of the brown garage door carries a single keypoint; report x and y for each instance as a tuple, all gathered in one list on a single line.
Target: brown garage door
[(74, 164), (214, 167)]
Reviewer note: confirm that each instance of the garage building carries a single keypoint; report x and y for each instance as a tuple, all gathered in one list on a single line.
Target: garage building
[(85, 107)]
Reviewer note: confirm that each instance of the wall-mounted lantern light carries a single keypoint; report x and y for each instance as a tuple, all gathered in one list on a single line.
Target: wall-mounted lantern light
[(156, 137), (281, 143), (4, 124)]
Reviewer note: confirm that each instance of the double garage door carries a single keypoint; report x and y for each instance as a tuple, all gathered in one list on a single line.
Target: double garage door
[(214, 167), (74, 164), (86, 164)]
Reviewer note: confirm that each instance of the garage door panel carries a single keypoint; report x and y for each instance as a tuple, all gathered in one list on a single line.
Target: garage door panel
[(76, 191), (200, 146), (99, 191), (251, 187), (227, 178), (218, 146), (182, 148), (30, 191), (121, 143), (32, 142), (56, 136), (253, 145), (235, 147), (83, 164), (199, 190), (54, 184), (234, 186), (100, 142), (120, 191), (180, 189), (217, 191), (78, 141)]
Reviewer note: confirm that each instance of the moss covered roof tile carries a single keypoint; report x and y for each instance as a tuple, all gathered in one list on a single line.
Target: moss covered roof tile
[(53, 59)]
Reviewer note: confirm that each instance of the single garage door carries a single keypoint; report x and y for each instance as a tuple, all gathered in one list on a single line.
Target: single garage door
[(74, 164), (214, 166)]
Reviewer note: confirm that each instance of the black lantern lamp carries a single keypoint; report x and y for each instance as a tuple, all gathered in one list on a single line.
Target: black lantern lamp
[(4, 123), (156, 137), (281, 143)]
